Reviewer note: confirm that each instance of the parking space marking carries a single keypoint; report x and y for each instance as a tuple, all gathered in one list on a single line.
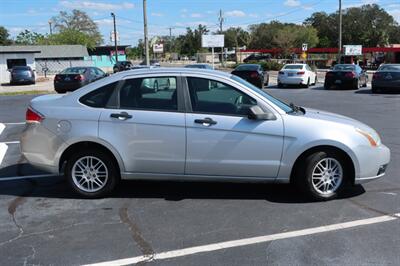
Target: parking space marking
[(11, 142), (3, 150), (247, 241), (15, 123), (2, 127)]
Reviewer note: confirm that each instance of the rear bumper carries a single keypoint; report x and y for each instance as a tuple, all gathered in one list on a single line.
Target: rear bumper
[(386, 84), (332, 83), (63, 87), (39, 146), (292, 80)]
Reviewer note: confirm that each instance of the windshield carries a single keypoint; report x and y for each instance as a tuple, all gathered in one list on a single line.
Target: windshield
[(285, 107), (293, 67), (389, 68), (344, 67), (21, 68), (74, 70)]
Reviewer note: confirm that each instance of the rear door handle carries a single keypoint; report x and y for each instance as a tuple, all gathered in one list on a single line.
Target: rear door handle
[(121, 116), (205, 122)]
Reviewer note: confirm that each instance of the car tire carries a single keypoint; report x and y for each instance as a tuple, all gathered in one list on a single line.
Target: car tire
[(323, 174), (375, 90), (308, 83), (356, 85), (115, 70), (365, 84), (280, 85), (315, 80), (92, 173)]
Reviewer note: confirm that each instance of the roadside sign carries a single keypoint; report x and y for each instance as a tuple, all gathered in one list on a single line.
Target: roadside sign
[(216, 40), (352, 49), (158, 48), (304, 47)]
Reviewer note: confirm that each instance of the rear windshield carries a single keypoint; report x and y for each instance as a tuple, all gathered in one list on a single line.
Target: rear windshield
[(73, 70), (247, 67), (389, 68), (195, 66), (293, 67), (344, 68)]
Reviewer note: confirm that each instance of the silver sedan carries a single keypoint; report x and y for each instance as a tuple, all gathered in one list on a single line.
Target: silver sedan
[(199, 125)]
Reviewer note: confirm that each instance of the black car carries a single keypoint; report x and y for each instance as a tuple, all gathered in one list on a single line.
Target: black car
[(257, 58), (201, 66), (253, 73), (346, 76), (22, 75), (121, 66), (73, 78), (386, 78)]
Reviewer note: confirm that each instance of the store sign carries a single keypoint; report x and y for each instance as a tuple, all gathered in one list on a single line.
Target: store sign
[(304, 47), (158, 48), (352, 49), (216, 40)]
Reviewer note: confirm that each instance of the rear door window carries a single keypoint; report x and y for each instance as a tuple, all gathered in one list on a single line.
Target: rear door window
[(99, 97), (155, 93)]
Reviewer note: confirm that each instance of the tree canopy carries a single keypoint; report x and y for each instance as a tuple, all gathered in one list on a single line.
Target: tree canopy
[(4, 36), (77, 21), (27, 37)]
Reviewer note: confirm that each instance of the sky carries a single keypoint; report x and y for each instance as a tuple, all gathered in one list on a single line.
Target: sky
[(18, 15)]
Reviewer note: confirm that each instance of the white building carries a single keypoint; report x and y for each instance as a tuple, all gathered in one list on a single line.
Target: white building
[(11, 56)]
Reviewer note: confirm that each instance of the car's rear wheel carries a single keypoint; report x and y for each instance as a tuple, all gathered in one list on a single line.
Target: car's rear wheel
[(374, 89), (280, 85), (92, 173), (307, 84), (356, 85), (322, 176)]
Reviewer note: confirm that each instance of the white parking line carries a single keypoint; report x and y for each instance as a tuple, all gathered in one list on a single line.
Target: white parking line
[(247, 241), (3, 150), (15, 123), (11, 142), (2, 127)]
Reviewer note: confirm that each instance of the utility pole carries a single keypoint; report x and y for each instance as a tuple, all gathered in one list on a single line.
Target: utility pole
[(115, 38), (340, 32), (221, 21), (170, 32), (146, 38), (51, 30)]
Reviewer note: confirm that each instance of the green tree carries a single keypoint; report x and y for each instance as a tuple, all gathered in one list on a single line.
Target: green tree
[(29, 38), (236, 37), (78, 21), (4, 40), (69, 36), (368, 25)]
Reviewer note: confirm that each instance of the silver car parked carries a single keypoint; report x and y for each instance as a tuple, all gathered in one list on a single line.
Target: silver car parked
[(202, 125)]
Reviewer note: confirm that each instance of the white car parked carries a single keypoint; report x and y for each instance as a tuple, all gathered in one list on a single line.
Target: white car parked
[(297, 74)]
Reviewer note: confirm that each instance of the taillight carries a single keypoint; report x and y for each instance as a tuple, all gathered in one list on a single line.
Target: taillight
[(79, 77), (33, 116), (376, 75), (350, 75), (254, 75), (301, 73), (57, 77), (281, 73), (329, 74)]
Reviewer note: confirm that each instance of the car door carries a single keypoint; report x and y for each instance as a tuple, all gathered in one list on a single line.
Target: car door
[(221, 140), (145, 126)]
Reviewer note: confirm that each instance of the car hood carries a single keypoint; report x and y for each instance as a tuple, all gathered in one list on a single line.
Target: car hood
[(336, 118)]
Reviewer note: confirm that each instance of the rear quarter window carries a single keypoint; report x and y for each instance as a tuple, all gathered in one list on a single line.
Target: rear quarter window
[(99, 97)]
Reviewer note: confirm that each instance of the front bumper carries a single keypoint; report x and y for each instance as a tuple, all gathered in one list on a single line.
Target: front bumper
[(372, 163)]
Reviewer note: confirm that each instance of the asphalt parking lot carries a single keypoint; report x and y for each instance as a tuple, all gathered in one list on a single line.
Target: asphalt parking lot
[(185, 223)]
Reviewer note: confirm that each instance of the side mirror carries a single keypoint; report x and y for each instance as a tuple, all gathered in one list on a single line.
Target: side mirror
[(256, 113)]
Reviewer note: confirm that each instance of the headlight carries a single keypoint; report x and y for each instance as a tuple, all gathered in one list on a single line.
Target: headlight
[(374, 142)]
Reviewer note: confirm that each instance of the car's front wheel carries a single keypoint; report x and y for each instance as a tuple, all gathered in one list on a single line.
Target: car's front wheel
[(322, 176), (92, 173)]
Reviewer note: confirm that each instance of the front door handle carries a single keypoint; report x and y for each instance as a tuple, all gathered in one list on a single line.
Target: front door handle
[(121, 116), (205, 122)]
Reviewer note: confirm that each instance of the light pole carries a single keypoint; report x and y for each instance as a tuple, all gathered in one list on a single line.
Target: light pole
[(51, 30), (146, 38), (115, 38), (340, 32)]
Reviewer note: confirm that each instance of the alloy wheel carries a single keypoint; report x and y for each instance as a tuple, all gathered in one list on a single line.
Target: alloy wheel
[(327, 176), (89, 174)]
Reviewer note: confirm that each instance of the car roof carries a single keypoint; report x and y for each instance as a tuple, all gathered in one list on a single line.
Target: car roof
[(172, 70)]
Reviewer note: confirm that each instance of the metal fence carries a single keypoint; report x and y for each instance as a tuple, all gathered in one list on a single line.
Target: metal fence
[(56, 66)]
